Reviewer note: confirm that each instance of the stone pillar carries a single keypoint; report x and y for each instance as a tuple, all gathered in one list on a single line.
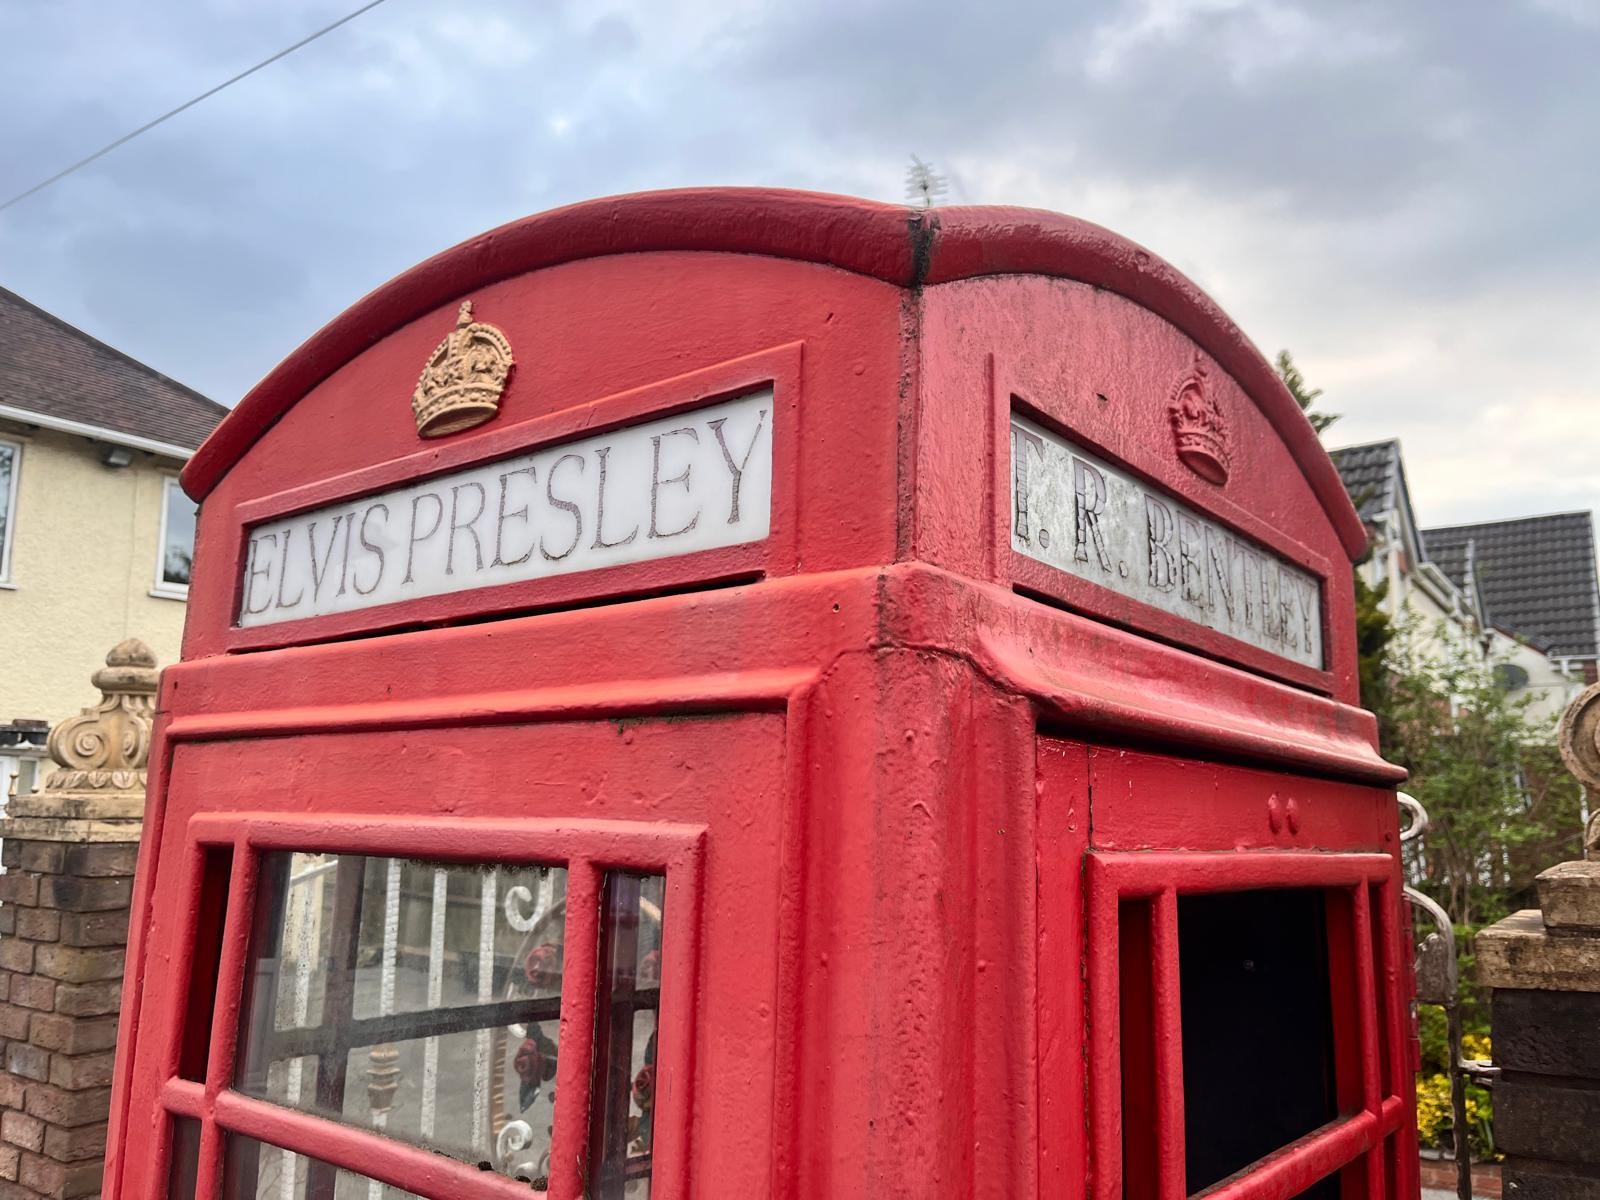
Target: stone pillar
[(1543, 965), (69, 851)]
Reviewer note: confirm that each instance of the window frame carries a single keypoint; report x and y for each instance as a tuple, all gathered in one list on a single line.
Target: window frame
[(588, 849), (1362, 1142), (8, 538), (162, 587)]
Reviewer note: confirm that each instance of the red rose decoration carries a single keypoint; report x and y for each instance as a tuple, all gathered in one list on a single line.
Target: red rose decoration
[(543, 966), (644, 1086), (529, 1063)]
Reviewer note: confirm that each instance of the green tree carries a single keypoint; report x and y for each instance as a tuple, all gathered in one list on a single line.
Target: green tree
[(1374, 633), (1373, 629), (1502, 807), (1304, 396)]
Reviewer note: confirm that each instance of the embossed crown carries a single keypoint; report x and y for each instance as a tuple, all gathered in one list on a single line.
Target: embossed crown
[(462, 383), (1199, 427)]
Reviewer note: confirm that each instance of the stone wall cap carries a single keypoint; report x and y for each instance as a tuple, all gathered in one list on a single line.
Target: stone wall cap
[(1521, 953), (1569, 895)]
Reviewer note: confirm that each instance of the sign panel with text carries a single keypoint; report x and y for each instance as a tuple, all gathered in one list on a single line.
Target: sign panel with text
[(1079, 514), (699, 480)]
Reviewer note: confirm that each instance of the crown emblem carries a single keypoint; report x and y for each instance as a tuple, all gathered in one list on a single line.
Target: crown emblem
[(461, 385), (1198, 426)]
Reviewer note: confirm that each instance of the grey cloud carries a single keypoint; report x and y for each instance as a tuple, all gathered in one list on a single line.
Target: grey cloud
[(1403, 193)]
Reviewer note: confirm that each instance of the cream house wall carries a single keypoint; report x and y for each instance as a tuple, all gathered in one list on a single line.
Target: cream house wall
[(1548, 689), (84, 544)]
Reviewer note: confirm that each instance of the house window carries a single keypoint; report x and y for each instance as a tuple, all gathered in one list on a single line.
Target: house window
[(10, 460), (177, 539)]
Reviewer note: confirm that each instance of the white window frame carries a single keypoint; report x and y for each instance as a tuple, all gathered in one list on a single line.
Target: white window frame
[(163, 589), (10, 537)]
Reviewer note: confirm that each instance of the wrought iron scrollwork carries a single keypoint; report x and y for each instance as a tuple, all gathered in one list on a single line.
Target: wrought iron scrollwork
[(1438, 983)]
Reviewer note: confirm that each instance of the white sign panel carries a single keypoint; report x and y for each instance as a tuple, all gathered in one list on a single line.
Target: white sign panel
[(700, 480), (1081, 515)]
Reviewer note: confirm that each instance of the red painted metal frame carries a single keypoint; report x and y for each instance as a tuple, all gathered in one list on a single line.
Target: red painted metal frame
[(586, 849), (1114, 878), (862, 714), (778, 368), (906, 247)]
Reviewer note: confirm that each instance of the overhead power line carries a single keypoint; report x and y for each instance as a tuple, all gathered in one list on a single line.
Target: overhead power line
[(167, 116)]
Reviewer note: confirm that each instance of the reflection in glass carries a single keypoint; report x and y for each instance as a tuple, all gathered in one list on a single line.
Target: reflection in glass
[(8, 469), (183, 1173), (419, 999), (256, 1170), (625, 1036), (177, 535)]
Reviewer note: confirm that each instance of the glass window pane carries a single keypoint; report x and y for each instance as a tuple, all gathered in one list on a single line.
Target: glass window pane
[(419, 999), (623, 1106), (177, 537), (260, 1171), (8, 468), (183, 1172)]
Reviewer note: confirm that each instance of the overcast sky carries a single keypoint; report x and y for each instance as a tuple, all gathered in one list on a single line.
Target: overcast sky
[(1405, 194)]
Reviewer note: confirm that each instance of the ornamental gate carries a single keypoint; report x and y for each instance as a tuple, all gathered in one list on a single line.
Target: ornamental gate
[(746, 694)]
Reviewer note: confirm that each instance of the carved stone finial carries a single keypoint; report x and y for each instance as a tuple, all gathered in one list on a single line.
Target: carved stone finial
[(1580, 750), (108, 746)]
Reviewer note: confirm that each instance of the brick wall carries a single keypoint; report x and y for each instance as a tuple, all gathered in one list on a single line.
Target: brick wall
[(63, 936)]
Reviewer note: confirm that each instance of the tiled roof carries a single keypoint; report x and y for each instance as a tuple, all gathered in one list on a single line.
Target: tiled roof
[(1536, 576), (53, 369), (1371, 475)]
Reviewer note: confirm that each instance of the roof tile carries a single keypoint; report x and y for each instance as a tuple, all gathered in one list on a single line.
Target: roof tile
[(56, 370), (1536, 575)]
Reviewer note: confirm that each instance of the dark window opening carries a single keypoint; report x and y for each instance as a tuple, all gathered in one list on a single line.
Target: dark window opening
[(206, 959), (1258, 1049)]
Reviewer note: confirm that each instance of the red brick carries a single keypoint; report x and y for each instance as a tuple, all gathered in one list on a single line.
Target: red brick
[(30, 991), (72, 1035), (72, 964), (17, 887), (14, 1022), (22, 1130), (88, 999), (100, 859), (45, 857), (68, 1109), (12, 1091), (8, 918), (72, 894), (75, 1145), (5, 985), (16, 954), (10, 1160), (109, 928), (75, 1072), (31, 1062), (40, 924)]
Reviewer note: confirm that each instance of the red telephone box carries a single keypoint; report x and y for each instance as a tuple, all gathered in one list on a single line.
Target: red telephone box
[(742, 693)]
